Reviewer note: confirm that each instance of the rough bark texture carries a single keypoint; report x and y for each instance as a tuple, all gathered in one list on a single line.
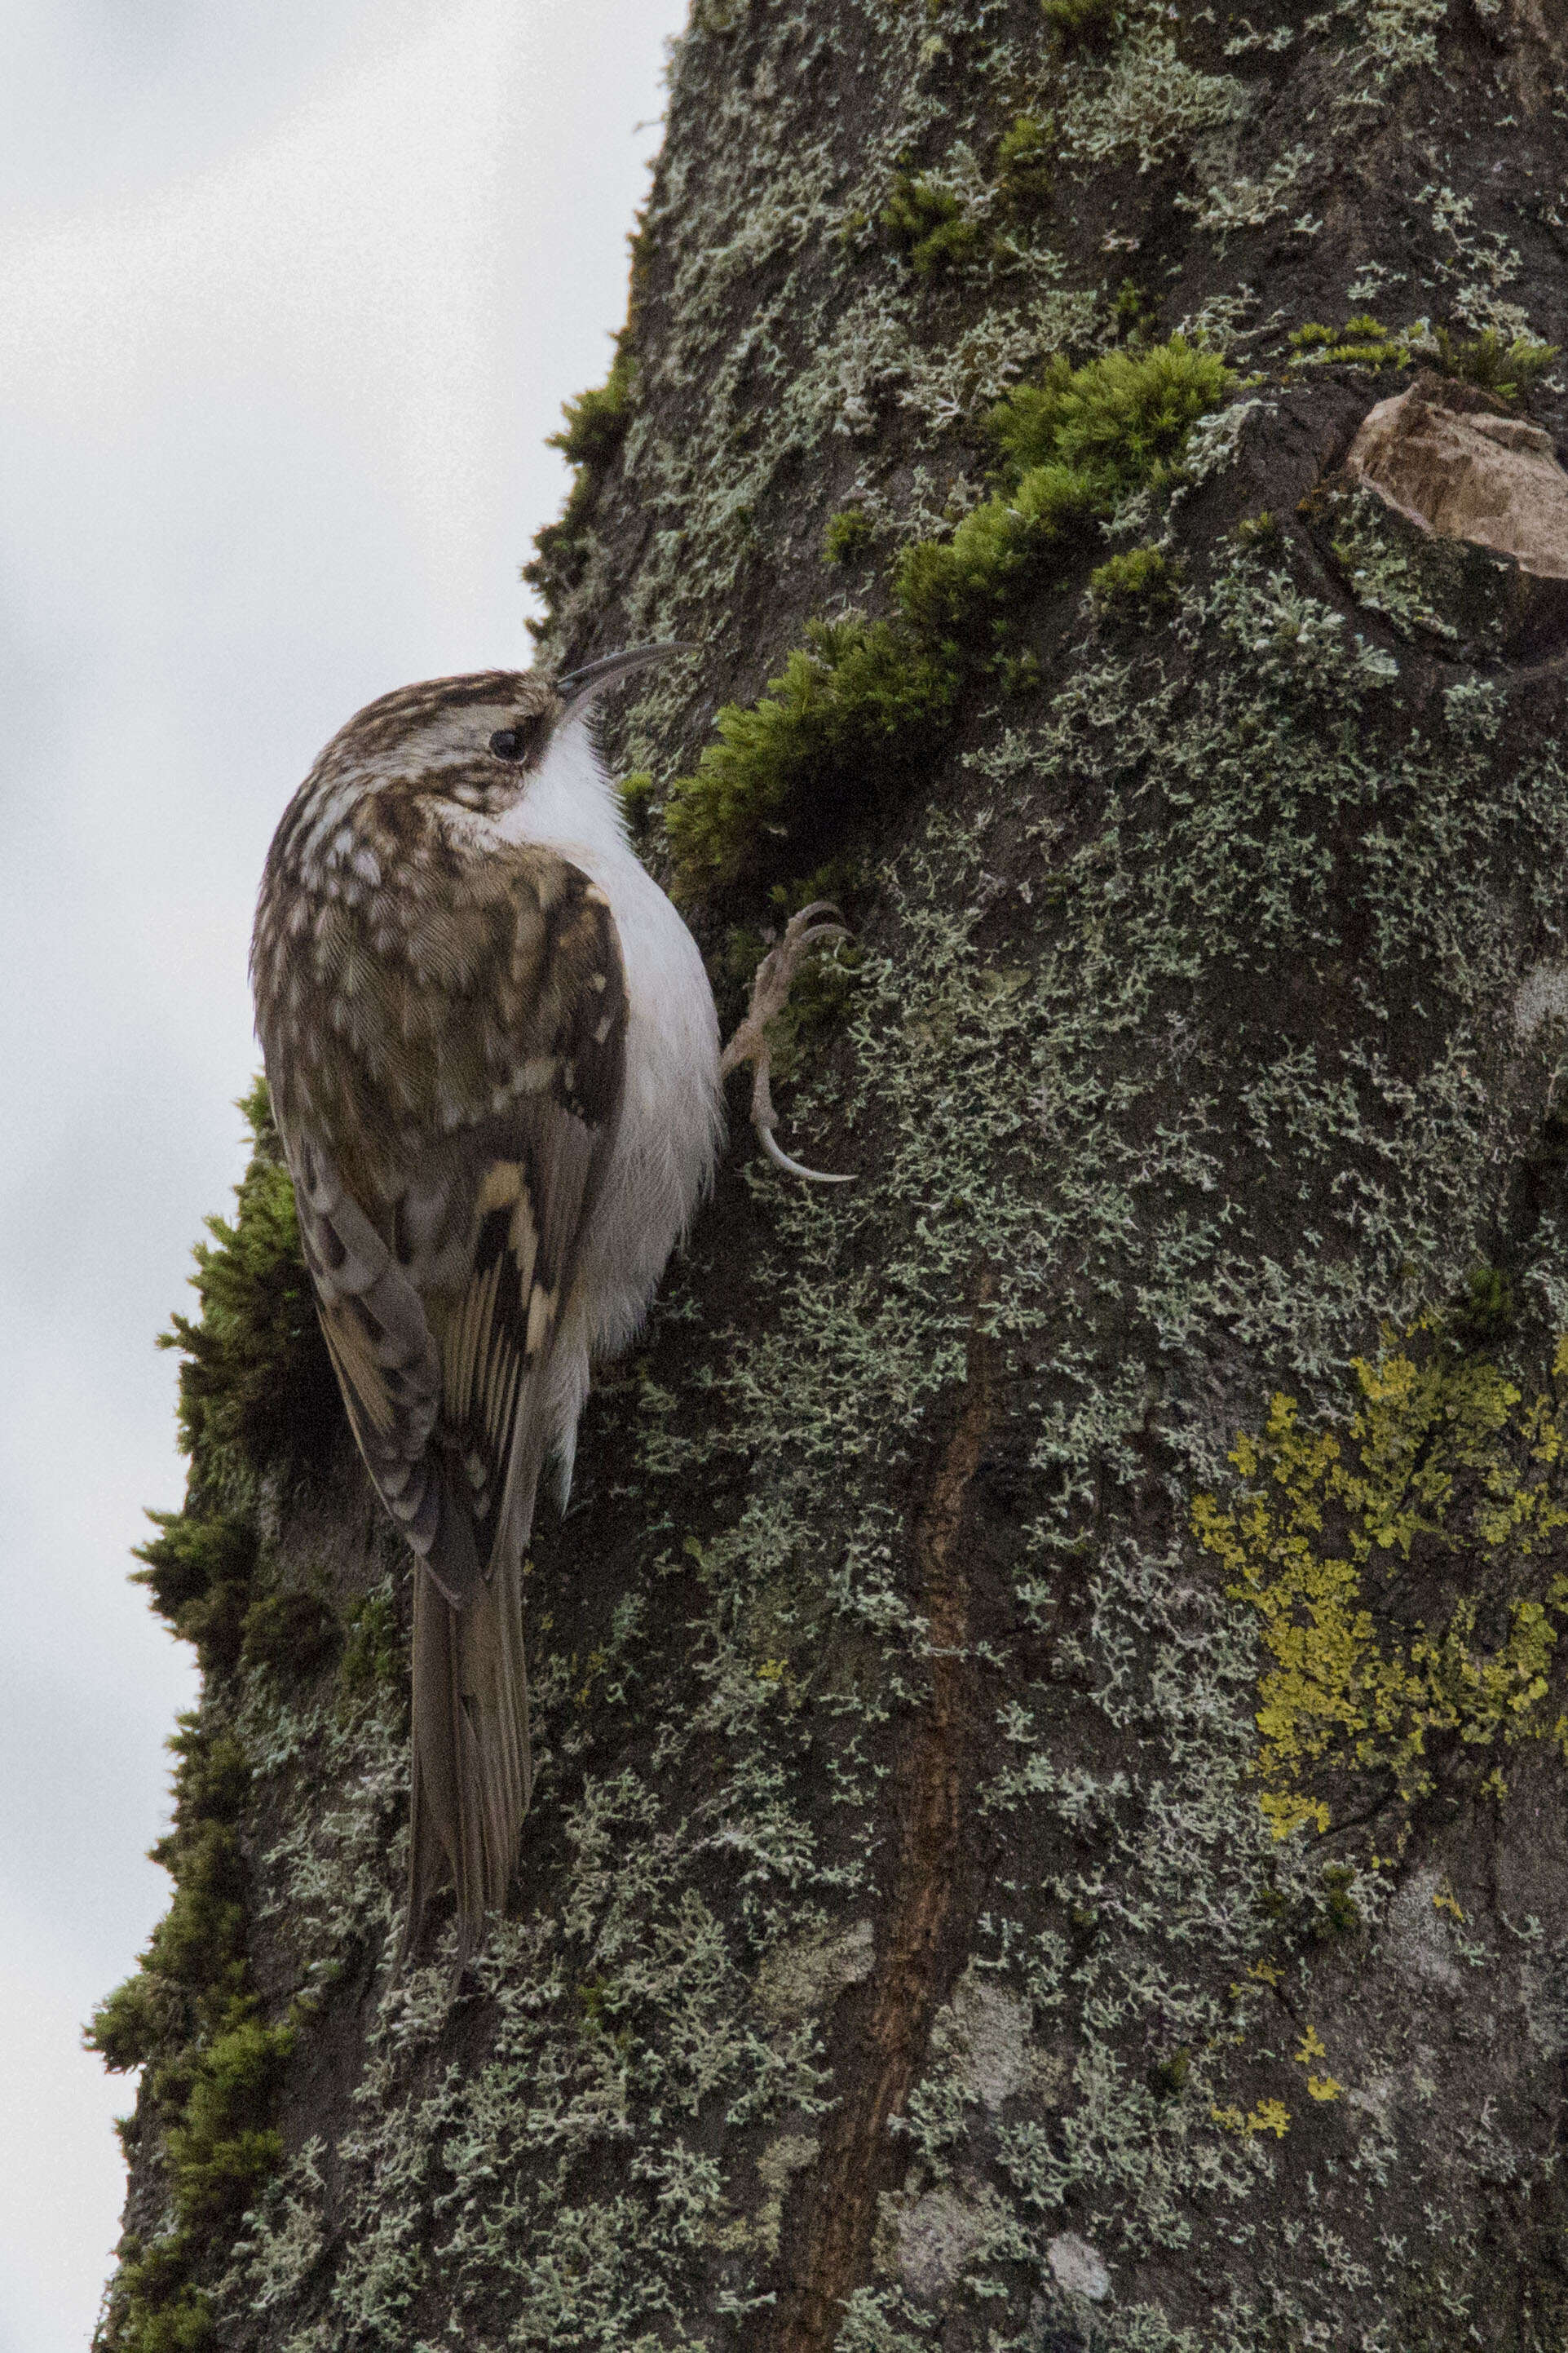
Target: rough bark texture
[(1048, 1822)]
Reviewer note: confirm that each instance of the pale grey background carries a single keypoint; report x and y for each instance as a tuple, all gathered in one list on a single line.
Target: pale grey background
[(289, 297)]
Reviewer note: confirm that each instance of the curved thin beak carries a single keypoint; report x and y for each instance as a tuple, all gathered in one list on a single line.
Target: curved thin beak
[(580, 686)]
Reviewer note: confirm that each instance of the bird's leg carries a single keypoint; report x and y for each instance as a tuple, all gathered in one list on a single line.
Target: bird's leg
[(770, 995)]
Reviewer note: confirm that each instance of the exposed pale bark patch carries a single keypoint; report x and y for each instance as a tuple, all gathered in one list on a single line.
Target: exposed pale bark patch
[(1463, 472)]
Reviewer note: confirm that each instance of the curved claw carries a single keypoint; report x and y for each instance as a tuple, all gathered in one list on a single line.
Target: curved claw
[(770, 994), (801, 931), (781, 1159)]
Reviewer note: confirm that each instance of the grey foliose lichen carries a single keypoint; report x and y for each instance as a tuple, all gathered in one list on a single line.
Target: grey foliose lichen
[(1204, 1029)]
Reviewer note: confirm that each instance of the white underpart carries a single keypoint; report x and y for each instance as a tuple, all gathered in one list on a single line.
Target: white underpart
[(672, 1113)]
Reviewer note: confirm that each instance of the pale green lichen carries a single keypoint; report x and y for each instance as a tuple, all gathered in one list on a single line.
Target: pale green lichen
[(1070, 1060), (1149, 106), (1229, 207), (1385, 574)]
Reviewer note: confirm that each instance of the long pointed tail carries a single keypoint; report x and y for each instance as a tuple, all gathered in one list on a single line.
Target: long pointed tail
[(471, 1773)]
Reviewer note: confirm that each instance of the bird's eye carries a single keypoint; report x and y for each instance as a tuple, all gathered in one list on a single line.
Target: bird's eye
[(511, 743)]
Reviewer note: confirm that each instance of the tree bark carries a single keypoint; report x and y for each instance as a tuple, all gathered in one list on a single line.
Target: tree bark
[(1047, 1826)]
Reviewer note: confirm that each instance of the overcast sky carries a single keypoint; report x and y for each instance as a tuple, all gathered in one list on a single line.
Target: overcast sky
[(289, 297)]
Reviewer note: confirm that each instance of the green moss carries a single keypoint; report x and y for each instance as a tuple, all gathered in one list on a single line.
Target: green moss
[(957, 591), (1026, 165), (151, 2306), (863, 701), (928, 224), (198, 1946), (288, 1633), (256, 1386), (1339, 1913), (847, 535), (1071, 446), (1136, 585), (1363, 342), (1120, 419), (126, 2024), (597, 420), (373, 1648), (637, 796), (1484, 1316), (1511, 367), (590, 440), (1132, 312), (1168, 2077), (194, 1965), (198, 1569), (222, 2149), (1080, 23), (256, 1394), (225, 2147), (849, 708), (188, 2015)]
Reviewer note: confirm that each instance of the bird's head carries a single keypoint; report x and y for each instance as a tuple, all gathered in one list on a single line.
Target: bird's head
[(504, 749)]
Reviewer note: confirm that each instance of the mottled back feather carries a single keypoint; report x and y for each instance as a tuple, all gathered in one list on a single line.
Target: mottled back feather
[(445, 1031)]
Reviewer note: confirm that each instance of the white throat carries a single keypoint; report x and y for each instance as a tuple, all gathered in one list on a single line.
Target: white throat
[(570, 803)]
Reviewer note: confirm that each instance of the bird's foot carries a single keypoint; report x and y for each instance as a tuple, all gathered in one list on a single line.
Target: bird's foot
[(770, 995)]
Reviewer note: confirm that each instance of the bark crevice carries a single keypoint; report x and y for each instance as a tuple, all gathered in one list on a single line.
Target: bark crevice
[(932, 1905)]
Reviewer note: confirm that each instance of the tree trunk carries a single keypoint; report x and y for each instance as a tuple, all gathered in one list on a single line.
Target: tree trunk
[(1047, 1826)]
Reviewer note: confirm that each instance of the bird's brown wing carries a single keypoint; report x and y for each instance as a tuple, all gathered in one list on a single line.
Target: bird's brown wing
[(467, 1072), (532, 1174), (383, 1351), (519, 1197), (440, 1314)]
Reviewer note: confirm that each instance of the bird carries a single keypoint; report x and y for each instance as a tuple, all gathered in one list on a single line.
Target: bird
[(493, 1057)]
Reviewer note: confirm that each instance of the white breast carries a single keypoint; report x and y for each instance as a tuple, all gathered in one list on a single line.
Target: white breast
[(672, 1116)]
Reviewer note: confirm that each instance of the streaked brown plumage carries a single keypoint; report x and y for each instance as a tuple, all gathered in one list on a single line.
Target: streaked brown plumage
[(443, 1017), (494, 1064)]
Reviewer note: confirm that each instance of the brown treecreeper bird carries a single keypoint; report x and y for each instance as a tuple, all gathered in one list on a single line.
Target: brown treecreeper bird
[(494, 1063)]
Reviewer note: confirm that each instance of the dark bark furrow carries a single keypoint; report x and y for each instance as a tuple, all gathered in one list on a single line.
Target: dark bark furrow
[(932, 1907)]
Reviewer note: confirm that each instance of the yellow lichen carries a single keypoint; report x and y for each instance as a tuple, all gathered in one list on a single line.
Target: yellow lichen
[(1442, 1465), (1268, 2115)]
